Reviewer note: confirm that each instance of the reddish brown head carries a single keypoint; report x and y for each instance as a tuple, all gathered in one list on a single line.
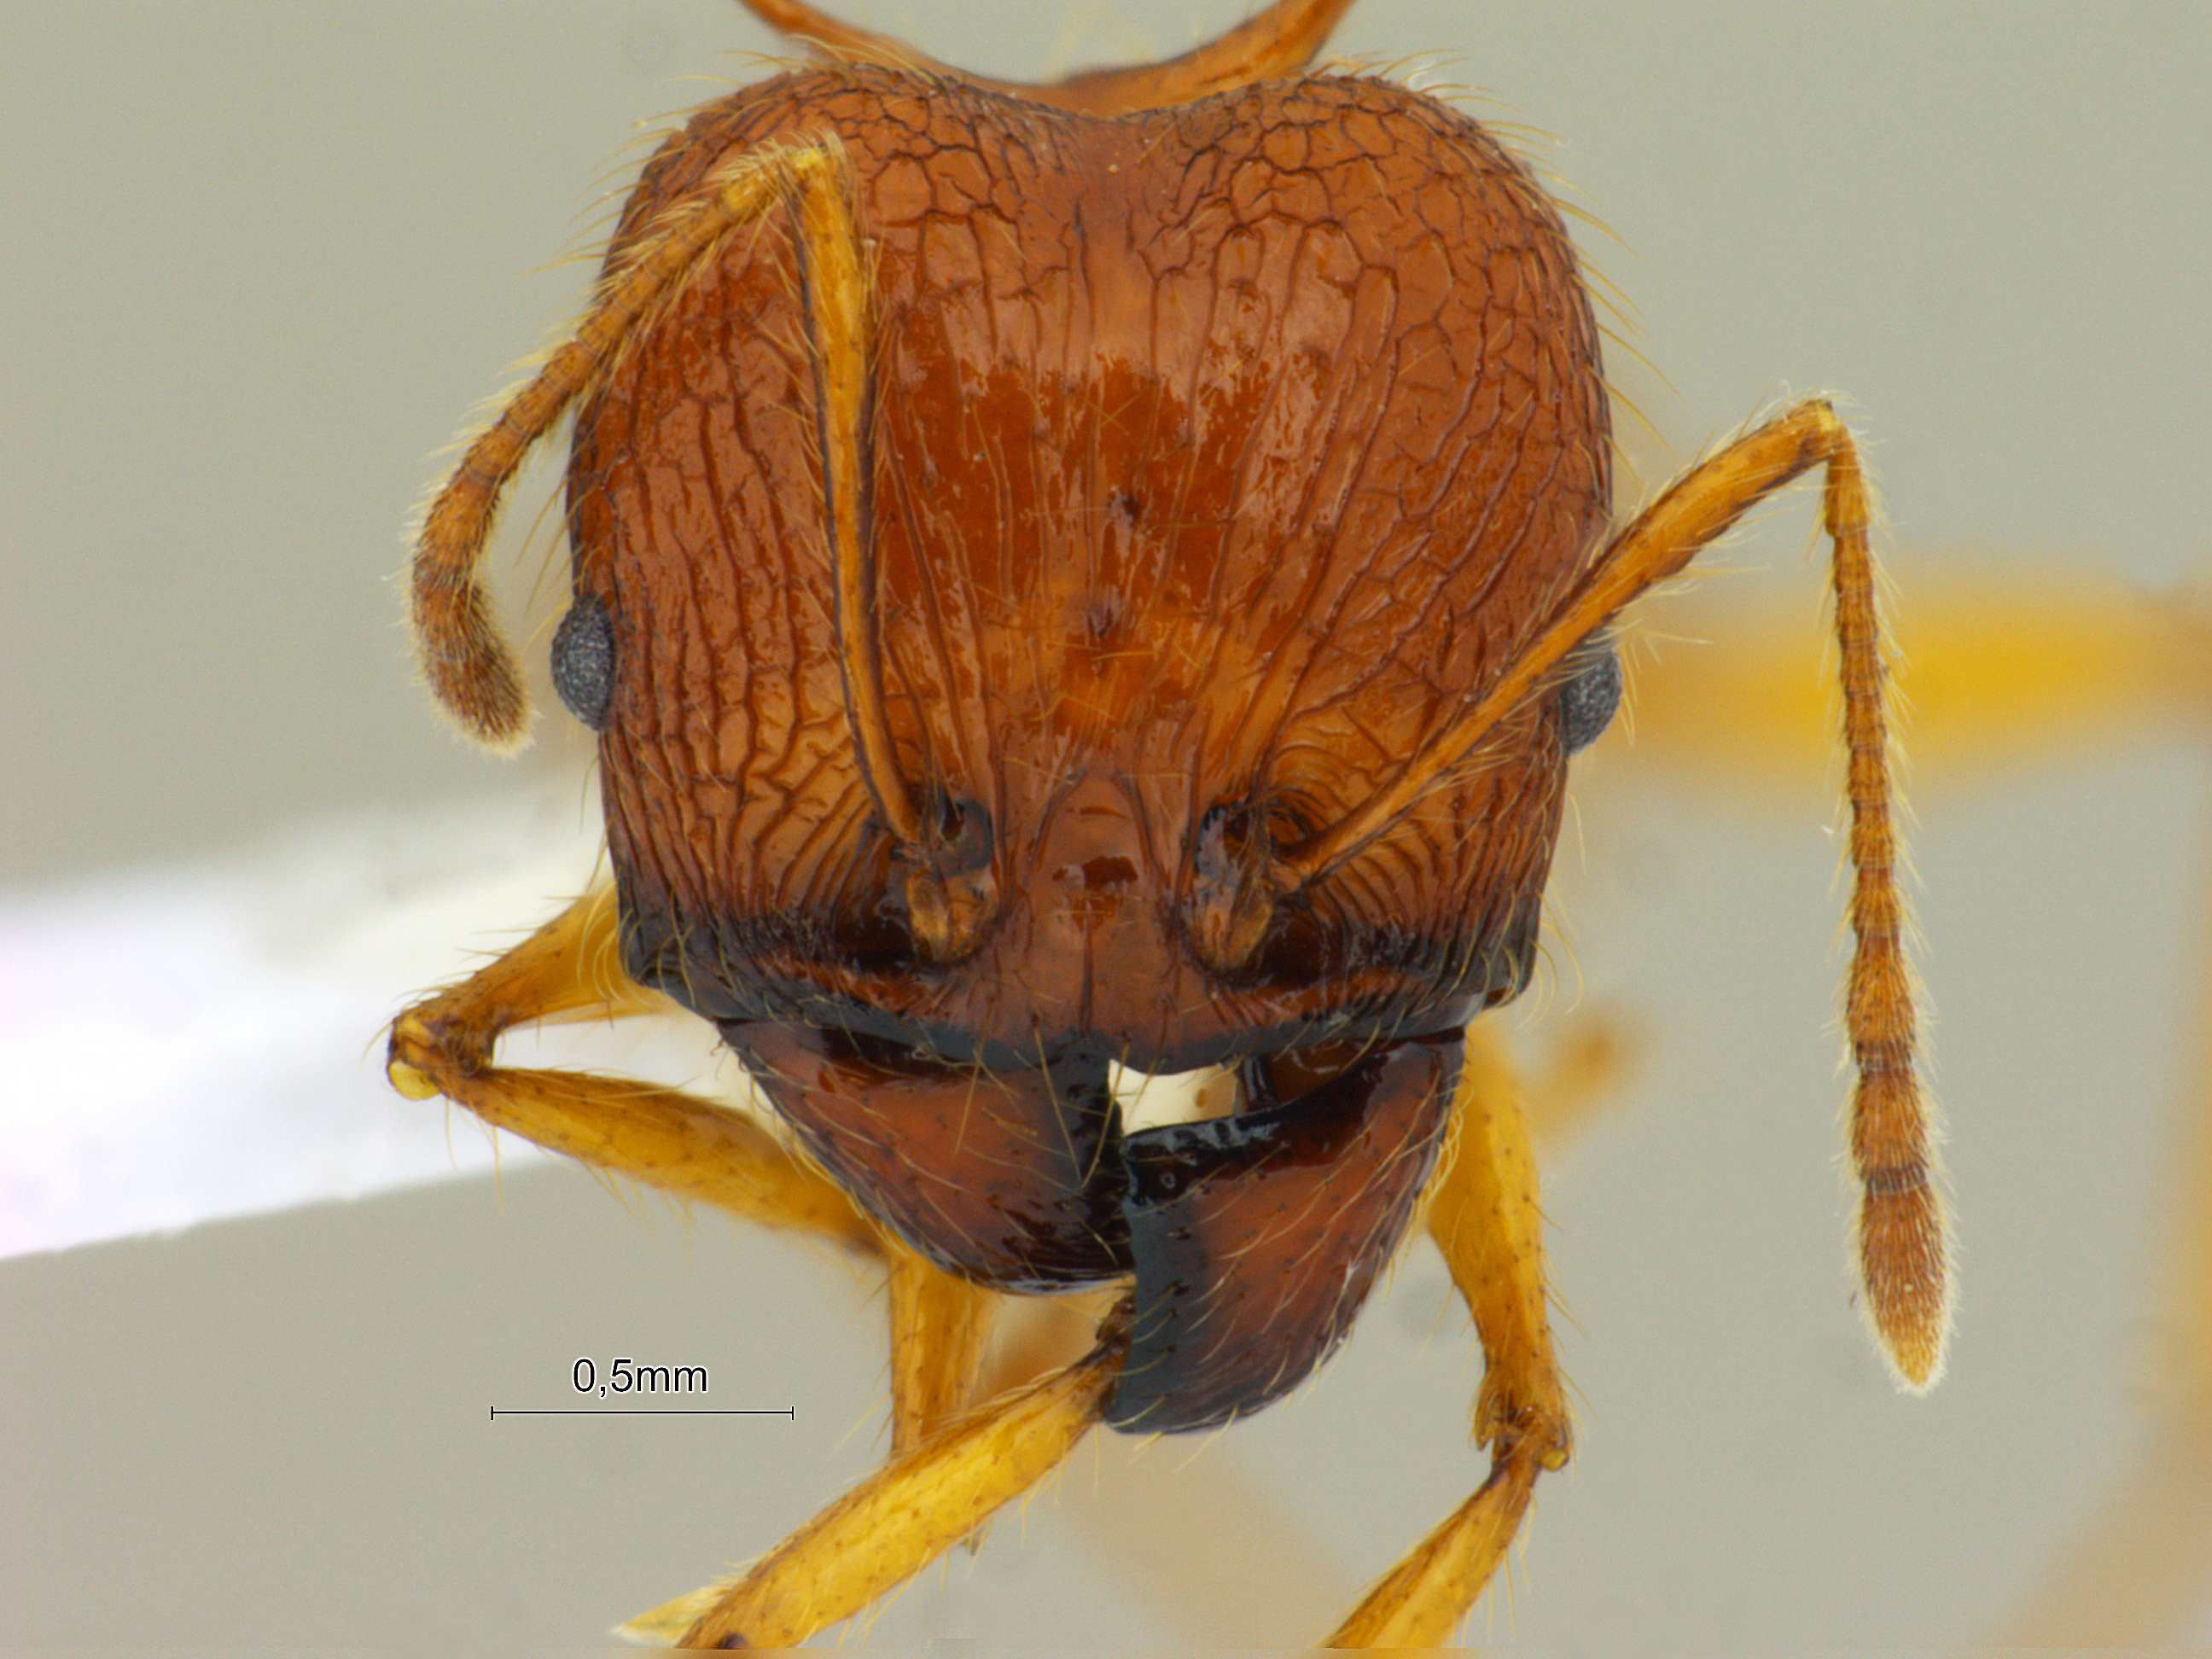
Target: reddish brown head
[(1071, 577), (1220, 455), (1110, 572)]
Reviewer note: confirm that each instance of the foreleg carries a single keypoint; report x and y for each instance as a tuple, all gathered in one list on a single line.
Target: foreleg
[(1484, 1216)]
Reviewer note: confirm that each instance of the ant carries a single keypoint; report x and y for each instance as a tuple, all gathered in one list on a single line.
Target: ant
[(1093, 578)]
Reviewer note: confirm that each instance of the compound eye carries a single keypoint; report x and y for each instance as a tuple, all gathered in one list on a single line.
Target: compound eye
[(584, 660), (1591, 696)]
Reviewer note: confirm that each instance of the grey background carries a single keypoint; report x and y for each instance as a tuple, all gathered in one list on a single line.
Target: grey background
[(264, 258)]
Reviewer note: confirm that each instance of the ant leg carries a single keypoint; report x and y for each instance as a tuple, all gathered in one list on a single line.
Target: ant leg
[(1579, 1073), (2132, 1574), (939, 1323), (570, 968), (1276, 43), (1484, 1216), (2001, 669), (900, 1518)]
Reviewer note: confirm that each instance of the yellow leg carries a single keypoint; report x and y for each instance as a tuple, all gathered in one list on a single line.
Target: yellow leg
[(1579, 1073), (940, 1323), (2000, 670), (571, 968), (2134, 1574), (900, 1519), (1484, 1216)]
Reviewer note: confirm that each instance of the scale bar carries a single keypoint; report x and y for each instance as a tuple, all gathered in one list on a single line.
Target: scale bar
[(791, 1412)]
